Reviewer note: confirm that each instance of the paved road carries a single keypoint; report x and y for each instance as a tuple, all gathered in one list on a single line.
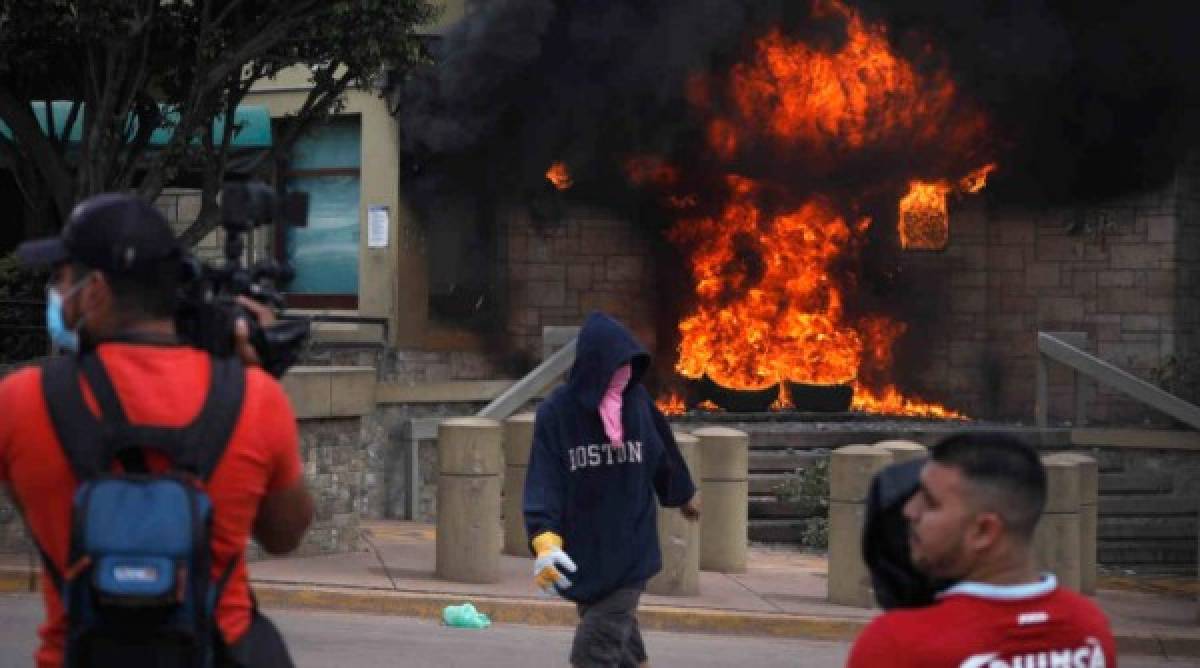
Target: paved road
[(345, 641)]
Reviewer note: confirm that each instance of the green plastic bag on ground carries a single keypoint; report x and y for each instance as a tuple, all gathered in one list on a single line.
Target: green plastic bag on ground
[(465, 616)]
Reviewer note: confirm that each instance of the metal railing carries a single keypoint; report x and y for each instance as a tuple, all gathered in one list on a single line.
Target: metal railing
[(1052, 346), (534, 382), (382, 323)]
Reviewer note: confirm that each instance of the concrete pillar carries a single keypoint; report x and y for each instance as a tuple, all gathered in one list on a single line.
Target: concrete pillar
[(679, 538), (1057, 539), (518, 439), (903, 451), (851, 469), (725, 493), (1089, 518), (468, 498)]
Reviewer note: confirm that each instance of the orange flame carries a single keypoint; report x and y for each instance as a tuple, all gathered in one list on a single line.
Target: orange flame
[(559, 176), (671, 404), (837, 102), (708, 405), (924, 221), (976, 180), (767, 309), (768, 302)]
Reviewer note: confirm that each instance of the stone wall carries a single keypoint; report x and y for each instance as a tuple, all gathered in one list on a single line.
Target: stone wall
[(394, 470), (1127, 280), (343, 467), (1187, 252), (592, 260), (412, 367), (942, 298)]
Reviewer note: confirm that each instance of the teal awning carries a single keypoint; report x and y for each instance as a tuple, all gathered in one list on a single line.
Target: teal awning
[(253, 125)]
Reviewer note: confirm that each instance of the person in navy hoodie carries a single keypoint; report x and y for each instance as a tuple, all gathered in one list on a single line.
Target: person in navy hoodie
[(601, 451)]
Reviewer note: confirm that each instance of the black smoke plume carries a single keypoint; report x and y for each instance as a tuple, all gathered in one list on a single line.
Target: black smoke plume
[(1088, 99)]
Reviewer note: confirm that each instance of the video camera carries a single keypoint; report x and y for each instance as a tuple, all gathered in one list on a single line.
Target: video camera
[(209, 310)]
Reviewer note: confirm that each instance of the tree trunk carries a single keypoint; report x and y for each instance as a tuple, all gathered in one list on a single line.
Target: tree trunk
[(49, 162)]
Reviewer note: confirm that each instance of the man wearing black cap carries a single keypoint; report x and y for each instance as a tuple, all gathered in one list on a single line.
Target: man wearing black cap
[(112, 293)]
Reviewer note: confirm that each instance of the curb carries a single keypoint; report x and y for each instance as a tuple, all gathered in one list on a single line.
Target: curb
[(557, 613), (429, 605)]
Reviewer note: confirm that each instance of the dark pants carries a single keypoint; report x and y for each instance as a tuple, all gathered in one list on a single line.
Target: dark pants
[(608, 634), (261, 646)]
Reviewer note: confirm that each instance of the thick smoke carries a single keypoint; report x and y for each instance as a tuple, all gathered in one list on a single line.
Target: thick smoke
[(1088, 99), (1094, 98)]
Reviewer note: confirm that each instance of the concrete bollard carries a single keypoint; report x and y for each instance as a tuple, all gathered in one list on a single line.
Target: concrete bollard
[(1089, 518), (851, 469), (518, 440), (903, 451), (679, 538), (1056, 541), (468, 498), (725, 493)]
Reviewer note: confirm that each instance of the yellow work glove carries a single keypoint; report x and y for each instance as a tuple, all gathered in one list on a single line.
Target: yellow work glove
[(551, 561)]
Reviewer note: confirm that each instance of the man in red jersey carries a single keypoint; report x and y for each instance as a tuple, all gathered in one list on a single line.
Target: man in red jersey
[(115, 271), (972, 521)]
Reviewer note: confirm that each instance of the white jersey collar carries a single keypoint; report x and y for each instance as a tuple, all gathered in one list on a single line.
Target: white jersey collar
[(1047, 584)]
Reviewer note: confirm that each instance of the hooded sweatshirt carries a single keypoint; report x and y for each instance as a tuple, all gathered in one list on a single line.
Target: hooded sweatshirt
[(598, 497)]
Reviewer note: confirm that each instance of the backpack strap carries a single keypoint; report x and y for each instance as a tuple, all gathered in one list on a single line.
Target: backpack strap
[(204, 441), (196, 448), (114, 423), (78, 431)]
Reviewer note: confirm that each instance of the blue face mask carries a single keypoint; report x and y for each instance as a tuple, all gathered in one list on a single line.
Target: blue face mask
[(56, 324)]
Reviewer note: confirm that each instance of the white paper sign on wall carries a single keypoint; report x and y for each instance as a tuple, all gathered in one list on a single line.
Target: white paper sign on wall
[(377, 227)]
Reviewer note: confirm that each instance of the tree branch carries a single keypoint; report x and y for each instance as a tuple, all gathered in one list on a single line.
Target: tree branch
[(51, 164)]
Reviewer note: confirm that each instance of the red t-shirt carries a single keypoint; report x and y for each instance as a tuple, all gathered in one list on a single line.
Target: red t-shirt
[(158, 386), (975, 625)]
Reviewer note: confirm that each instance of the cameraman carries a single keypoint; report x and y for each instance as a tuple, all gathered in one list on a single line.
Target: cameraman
[(972, 521), (112, 293)]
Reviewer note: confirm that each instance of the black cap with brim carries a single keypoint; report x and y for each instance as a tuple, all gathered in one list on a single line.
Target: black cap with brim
[(43, 252)]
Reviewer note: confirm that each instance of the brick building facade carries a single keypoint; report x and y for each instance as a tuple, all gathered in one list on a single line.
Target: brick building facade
[(1128, 278), (592, 260)]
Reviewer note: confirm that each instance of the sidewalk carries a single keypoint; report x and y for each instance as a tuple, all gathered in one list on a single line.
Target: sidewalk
[(781, 594)]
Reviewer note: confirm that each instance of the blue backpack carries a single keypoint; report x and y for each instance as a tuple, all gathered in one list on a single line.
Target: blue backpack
[(139, 590)]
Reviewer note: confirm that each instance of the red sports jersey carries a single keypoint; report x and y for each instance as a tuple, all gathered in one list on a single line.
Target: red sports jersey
[(975, 625)]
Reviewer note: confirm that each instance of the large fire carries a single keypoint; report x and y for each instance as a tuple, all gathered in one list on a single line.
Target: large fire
[(769, 283)]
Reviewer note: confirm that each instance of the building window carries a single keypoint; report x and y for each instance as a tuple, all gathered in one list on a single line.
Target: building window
[(325, 164)]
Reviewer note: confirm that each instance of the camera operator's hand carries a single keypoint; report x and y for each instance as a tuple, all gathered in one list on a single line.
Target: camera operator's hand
[(241, 332)]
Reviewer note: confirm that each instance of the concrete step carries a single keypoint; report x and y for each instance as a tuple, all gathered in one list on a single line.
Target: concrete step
[(1161, 439), (1149, 506), (776, 531), (782, 461), (1147, 528), (1134, 483), (1143, 553), (764, 484), (772, 508)]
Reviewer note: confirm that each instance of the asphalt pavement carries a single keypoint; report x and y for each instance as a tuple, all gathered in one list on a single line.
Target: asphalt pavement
[(320, 639)]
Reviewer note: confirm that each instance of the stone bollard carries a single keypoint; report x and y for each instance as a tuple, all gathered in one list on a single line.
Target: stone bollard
[(518, 439), (468, 498), (1089, 518), (1057, 538), (679, 538), (725, 495), (903, 451), (851, 469)]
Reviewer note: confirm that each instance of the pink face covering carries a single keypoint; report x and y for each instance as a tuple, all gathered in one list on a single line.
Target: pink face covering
[(610, 405)]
